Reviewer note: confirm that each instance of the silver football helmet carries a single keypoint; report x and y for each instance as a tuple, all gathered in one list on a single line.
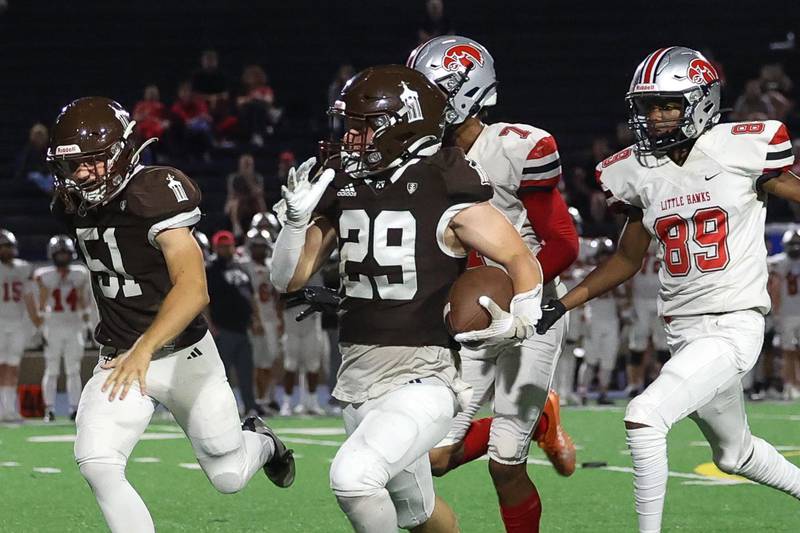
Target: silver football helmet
[(7, 239), (677, 74), (600, 249), (791, 243), (259, 238), (59, 244), (463, 69)]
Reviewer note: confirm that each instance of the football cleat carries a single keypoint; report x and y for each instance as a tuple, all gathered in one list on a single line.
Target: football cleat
[(555, 441), (73, 415), (49, 416), (280, 468)]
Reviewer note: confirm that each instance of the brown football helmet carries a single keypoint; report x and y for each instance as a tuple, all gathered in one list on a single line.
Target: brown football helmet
[(92, 130), (403, 110)]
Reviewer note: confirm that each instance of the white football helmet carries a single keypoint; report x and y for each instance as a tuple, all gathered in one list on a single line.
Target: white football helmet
[(463, 69), (673, 73)]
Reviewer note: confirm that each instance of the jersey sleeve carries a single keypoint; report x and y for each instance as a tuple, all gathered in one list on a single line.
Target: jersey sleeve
[(166, 198), (533, 154), (465, 180), (616, 176), (761, 150)]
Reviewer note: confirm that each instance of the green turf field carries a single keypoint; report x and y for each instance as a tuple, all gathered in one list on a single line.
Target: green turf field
[(593, 500)]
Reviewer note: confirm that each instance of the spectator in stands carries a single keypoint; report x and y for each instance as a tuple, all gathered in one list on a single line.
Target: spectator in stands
[(272, 187), (245, 195), (256, 106), (344, 73), (777, 86), (753, 104), (231, 311), (150, 115), (191, 121), (209, 81), (434, 22), (31, 164)]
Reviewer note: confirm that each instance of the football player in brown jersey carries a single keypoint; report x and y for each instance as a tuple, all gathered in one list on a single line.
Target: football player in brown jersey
[(404, 212), (133, 227)]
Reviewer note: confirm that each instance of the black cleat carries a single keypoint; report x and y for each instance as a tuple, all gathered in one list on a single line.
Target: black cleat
[(73, 415), (280, 468), (49, 416)]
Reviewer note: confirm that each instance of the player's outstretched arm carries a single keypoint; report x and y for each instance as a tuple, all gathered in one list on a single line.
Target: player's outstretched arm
[(484, 229), (786, 186), (301, 249), (185, 300)]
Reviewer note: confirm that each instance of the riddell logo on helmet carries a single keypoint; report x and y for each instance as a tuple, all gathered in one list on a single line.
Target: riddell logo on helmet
[(464, 55), (700, 71), (68, 149)]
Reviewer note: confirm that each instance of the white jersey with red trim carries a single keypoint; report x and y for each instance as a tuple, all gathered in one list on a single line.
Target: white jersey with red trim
[(708, 214), (15, 279), (787, 271), (517, 158), (265, 294), (68, 294)]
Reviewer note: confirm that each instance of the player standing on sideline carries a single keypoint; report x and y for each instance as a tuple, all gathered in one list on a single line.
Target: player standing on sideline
[(647, 324), (785, 269), (266, 332), (133, 226), (15, 296), (523, 164), (64, 294), (699, 187), (405, 212)]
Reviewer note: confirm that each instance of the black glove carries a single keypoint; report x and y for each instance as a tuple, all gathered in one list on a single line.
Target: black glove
[(318, 299), (551, 312)]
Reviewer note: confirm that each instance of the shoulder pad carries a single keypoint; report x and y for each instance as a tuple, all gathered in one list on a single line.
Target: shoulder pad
[(617, 176), (160, 192), (464, 179), (533, 154), (750, 148)]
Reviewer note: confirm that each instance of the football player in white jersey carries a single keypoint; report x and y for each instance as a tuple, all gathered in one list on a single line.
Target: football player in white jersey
[(523, 165), (15, 296), (306, 345), (647, 324), (785, 269), (64, 294), (267, 332), (602, 318), (698, 186)]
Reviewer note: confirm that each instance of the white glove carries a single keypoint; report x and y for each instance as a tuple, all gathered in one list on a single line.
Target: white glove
[(300, 196), (513, 326)]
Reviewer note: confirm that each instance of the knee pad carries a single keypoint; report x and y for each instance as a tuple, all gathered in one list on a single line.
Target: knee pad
[(510, 440), (358, 474), (731, 460), (97, 474), (636, 357), (640, 411), (227, 482), (409, 518)]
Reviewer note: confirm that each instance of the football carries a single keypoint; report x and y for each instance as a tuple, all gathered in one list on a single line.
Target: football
[(463, 312)]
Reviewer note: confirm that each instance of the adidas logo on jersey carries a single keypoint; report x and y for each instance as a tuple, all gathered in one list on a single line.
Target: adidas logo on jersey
[(195, 353), (347, 190)]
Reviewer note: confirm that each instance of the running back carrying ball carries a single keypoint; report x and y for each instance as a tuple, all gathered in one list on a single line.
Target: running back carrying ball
[(463, 312)]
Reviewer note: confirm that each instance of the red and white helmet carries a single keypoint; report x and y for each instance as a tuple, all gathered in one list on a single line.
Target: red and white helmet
[(463, 69), (673, 73)]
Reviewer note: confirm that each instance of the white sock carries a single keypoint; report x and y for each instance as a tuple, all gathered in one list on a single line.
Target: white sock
[(2, 403), (49, 389), (370, 514), (648, 448), (10, 401), (74, 386), (122, 507), (770, 468)]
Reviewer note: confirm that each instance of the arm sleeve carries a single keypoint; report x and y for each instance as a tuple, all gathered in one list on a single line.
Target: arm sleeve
[(550, 219)]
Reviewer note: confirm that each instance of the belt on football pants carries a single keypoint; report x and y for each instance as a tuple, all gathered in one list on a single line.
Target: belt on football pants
[(109, 352)]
